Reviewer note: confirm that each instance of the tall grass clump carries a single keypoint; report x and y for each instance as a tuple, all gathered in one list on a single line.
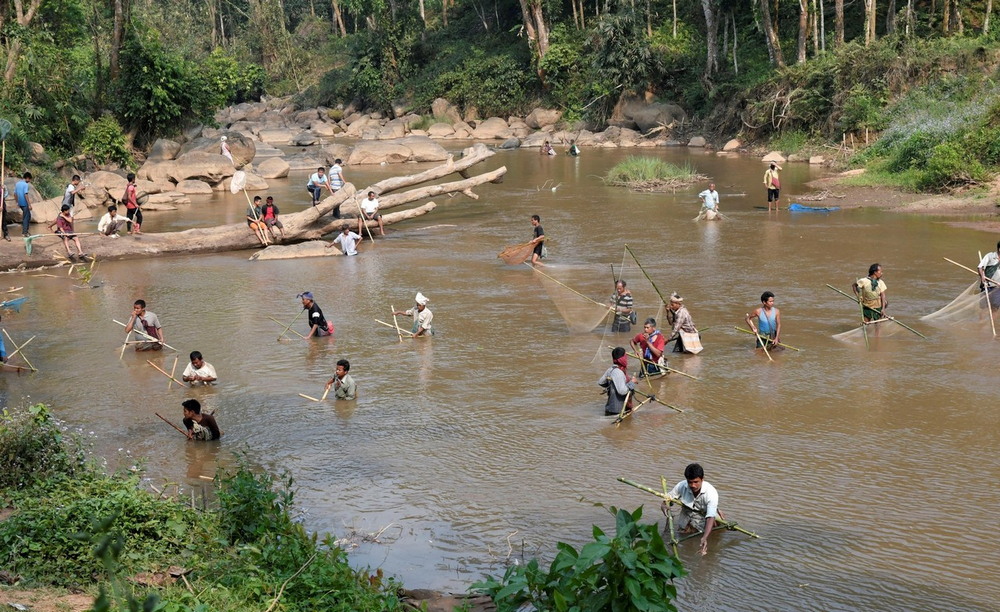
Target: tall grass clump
[(651, 174)]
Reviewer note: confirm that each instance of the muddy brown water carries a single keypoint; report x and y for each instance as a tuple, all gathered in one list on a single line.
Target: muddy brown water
[(870, 475)]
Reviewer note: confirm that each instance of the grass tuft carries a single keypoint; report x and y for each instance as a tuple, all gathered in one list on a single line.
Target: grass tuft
[(651, 174)]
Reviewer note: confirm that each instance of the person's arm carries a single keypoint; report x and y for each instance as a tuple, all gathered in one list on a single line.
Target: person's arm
[(777, 325), (709, 524), (158, 332), (753, 315), (350, 389), (209, 376), (622, 384), (131, 323), (538, 239), (330, 382), (189, 425), (884, 300), (188, 375)]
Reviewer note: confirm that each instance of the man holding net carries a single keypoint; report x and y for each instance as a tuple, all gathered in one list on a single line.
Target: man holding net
[(871, 293), (989, 270)]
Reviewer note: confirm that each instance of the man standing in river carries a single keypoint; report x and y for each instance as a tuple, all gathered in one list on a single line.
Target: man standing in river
[(343, 384), (768, 325), (699, 504), (871, 293), (149, 324), (318, 325), (199, 426), (538, 240), (773, 185), (422, 316)]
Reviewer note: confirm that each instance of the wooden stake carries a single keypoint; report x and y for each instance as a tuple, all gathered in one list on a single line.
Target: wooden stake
[(171, 424), (660, 402), (396, 322), (164, 372), (172, 370), (289, 326), (761, 341), (396, 327), (308, 397)]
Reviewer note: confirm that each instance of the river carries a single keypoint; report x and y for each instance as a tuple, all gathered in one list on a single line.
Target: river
[(869, 474)]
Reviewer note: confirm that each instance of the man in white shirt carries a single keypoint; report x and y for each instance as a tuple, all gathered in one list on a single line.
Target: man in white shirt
[(422, 316), (336, 175), (112, 222), (347, 240), (710, 198), (69, 196), (199, 372), (989, 270), (699, 504), (317, 181), (369, 212)]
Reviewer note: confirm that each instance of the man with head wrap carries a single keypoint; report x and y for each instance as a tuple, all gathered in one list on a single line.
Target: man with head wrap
[(422, 316), (617, 383)]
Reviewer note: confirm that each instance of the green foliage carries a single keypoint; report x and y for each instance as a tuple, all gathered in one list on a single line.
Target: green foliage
[(494, 84), (32, 448), (638, 171), (633, 570), (251, 508), (104, 141), (789, 142), (950, 165), (229, 81)]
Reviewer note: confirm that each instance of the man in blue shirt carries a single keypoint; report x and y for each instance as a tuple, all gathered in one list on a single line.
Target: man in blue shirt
[(21, 193), (317, 181)]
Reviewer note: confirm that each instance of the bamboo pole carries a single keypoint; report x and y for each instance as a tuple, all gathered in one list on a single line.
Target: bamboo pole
[(289, 326), (288, 329), (396, 327), (171, 424), (761, 341), (308, 397), (670, 516), (124, 345), (164, 372), (589, 299), (325, 393), (33, 368), (659, 401), (395, 322), (624, 410), (640, 358), (884, 316), (172, 370), (643, 270), (147, 336), (730, 525), (989, 306), (747, 331), (622, 417), (976, 272)]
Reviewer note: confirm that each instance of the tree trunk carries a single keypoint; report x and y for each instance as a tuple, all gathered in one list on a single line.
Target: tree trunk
[(890, 18), (956, 17), (946, 18), (803, 30), (736, 67), (814, 16), (711, 10), (24, 20), (986, 19), (869, 22), (117, 38), (338, 18), (838, 22), (822, 28), (538, 33), (674, 2), (309, 224), (771, 36)]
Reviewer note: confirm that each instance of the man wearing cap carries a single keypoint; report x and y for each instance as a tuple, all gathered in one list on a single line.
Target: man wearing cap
[(225, 150), (681, 321), (318, 325), (347, 240), (617, 383), (422, 316)]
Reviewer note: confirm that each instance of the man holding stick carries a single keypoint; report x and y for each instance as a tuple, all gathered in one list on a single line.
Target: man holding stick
[(651, 343), (150, 325), (343, 384), (989, 269), (318, 325), (199, 371), (871, 292), (199, 426), (768, 326), (617, 383), (422, 316), (699, 504)]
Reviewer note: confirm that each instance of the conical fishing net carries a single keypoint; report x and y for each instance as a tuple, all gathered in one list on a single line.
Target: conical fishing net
[(580, 313), (882, 329), (516, 254), (968, 307)]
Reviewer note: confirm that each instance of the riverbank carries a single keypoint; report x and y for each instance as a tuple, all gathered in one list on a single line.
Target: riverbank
[(837, 190)]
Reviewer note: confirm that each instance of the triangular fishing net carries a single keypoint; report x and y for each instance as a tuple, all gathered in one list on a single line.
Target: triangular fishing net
[(569, 289), (882, 329), (646, 302), (517, 254), (968, 307)]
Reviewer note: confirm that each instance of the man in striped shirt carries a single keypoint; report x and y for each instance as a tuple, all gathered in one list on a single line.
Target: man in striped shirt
[(622, 302)]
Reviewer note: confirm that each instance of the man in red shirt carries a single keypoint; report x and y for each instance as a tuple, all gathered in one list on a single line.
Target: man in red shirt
[(651, 342)]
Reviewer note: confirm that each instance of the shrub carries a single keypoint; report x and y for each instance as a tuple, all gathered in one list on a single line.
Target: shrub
[(104, 141), (649, 172), (631, 571), (949, 165), (31, 448)]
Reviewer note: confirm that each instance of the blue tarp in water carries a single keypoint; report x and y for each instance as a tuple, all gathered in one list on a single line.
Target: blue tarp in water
[(801, 208)]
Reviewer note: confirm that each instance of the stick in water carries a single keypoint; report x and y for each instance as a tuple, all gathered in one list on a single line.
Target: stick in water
[(164, 372), (171, 424), (33, 368), (308, 397), (289, 326), (287, 329), (989, 306), (396, 323), (761, 341)]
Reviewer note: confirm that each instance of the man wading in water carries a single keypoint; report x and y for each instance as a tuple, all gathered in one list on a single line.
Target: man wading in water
[(699, 505), (871, 292)]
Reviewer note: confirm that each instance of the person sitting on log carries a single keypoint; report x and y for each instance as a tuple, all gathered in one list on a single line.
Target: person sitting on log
[(699, 504), (199, 426), (269, 213), (254, 221), (64, 227), (617, 383), (369, 212)]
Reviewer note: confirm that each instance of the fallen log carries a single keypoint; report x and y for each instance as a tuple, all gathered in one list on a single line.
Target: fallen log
[(309, 224)]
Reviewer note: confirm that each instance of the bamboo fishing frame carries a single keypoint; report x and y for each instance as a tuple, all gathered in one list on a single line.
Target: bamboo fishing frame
[(760, 341), (288, 329), (145, 335), (19, 350), (395, 322), (730, 525), (668, 368), (985, 288), (172, 370), (885, 317), (397, 328), (164, 372), (589, 299), (781, 344), (289, 326)]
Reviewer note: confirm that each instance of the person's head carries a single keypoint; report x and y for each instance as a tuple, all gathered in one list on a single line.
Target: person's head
[(695, 476), (572, 142), (346, 230), (535, 219), (64, 208), (620, 286), (139, 306), (649, 325), (270, 200), (224, 139), (676, 302), (617, 353), (26, 176), (711, 186), (130, 177), (875, 270), (320, 170), (256, 199), (421, 301), (546, 143), (767, 299), (75, 180), (338, 161), (196, 359), (307, 298), (371, 195), (998, 246), (773, 167), (191, 408), (343, 367)]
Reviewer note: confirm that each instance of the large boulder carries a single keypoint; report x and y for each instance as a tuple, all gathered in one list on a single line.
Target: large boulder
[(535, 139), (193, 186), (241, 146), (423, 149), (158, 172), (273, 168), (304, 139), (304, 161), (510, 143), (334, 152), (276, 135), (324, 128), (394, 129), (379, 151), (358, 126), (697, 142), (541, 117), (774, 156), (254, 183), (440, 130), (44, 211), (732, 145), (493, 128), (104, 186), (208, 167), (443, 109), (635, 113), (163, 150), (585, 138)]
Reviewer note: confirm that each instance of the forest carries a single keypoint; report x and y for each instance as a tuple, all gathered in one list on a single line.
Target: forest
[(107, 77)]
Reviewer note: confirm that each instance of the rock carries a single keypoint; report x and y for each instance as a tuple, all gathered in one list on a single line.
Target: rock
[(104, 186), (304, 161), (149, 187), (855, 172), (357, 128), (562, 137), (443, 109), (627, 137), (193, 186), (377, 152), (312, 248), (304, 139), (797, 157), (208, 167), (440, 130), (158, 172), (44, 211), (352, 117), (697, 141), (774, 156), (817, 160), (254, 183), (265, 151), (634, 112), (541, 117), (191, 133), (273, 168), (36, 153), (306, 117), (423, 149), (732, 145), (334, 152), (163, 150), (536, 139), (585, 138), (400, 108), (275, 135), (493, 128), (394, 129), (511, 143), (322, 128), (471, 114), (241, 147)]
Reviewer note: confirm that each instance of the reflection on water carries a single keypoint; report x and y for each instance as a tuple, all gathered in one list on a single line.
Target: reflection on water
[(483, 440)]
